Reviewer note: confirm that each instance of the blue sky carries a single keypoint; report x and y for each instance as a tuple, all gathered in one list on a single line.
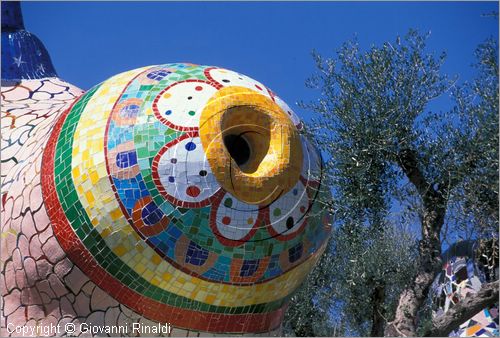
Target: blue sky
[(269, 41)]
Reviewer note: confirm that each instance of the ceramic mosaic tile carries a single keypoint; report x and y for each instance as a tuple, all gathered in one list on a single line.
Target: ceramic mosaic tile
[(177, 200), (460, 276), (183, 193)]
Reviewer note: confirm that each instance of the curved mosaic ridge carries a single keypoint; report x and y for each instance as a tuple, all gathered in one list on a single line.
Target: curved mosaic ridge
[(135, 203)]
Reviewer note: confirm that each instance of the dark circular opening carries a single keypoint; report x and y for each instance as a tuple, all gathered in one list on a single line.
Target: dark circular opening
[(238, 148)]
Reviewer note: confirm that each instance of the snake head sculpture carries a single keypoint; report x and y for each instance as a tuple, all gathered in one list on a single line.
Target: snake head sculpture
[(174, 194)]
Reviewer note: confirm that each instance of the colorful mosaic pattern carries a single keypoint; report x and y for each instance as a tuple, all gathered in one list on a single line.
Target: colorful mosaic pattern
[(176, 194), (460, 276), (23, 54), (137, 206)]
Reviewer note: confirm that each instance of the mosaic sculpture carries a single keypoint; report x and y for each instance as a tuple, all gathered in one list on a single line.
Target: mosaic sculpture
[(177, 194), (462, 274)]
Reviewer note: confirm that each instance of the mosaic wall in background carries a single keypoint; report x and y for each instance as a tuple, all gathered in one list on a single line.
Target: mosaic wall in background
[(461, 275)]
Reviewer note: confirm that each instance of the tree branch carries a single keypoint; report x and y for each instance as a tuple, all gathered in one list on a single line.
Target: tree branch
[(410, 301), (465, 309), (408, 162), (378, 320)]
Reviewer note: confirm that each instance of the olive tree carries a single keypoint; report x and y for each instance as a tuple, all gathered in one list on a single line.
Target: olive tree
[(395, 166)]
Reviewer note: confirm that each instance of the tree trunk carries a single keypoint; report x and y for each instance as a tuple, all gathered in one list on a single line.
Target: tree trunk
[(412, 298), (429, 261), (378, 321)]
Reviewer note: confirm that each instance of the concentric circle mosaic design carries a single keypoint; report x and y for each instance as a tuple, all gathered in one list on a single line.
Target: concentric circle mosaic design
[(189, 194)]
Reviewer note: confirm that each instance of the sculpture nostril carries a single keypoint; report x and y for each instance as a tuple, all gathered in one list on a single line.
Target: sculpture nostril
[(253, 148), (246, 135), (238, 148)]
